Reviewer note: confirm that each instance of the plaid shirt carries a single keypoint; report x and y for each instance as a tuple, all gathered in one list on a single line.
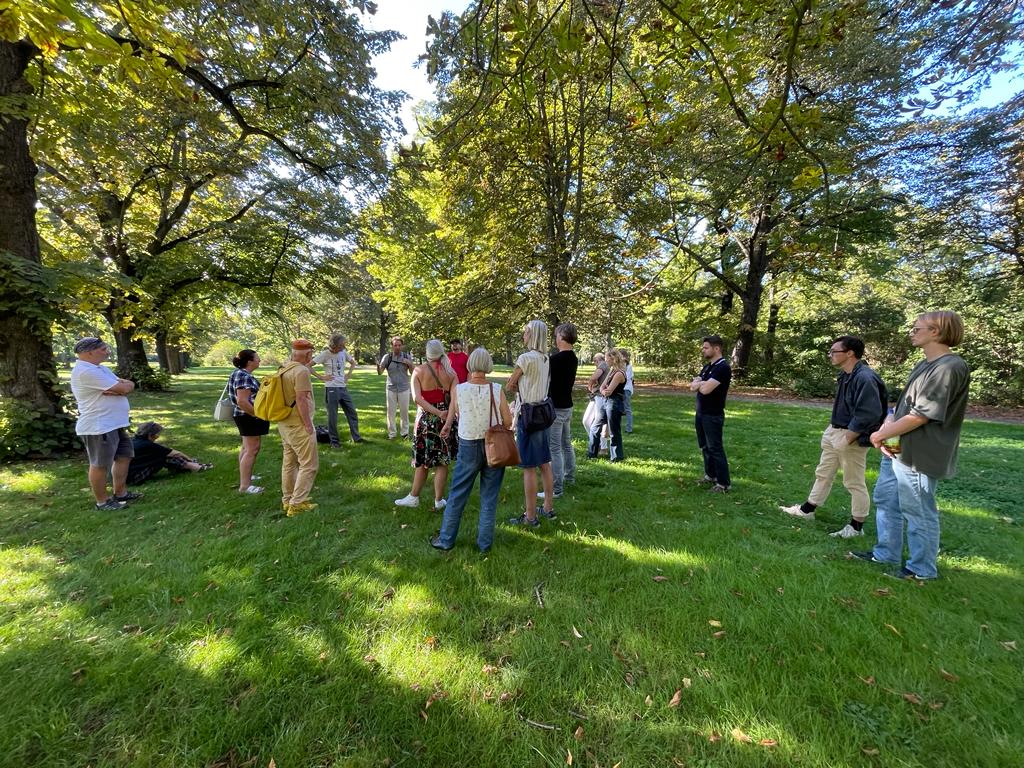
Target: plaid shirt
[(241, 379)]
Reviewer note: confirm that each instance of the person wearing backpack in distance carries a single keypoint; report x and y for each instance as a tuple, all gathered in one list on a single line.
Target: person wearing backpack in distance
[(287, 398)]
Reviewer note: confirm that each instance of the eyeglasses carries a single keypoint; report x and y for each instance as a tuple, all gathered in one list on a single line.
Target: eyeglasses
[(835, 352), (917, 329)]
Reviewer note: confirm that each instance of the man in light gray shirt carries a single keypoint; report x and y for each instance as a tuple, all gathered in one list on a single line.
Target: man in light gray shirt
[(398, 365)]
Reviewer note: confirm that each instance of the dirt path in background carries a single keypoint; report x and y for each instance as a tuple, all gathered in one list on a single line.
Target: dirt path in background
[(781, 397)]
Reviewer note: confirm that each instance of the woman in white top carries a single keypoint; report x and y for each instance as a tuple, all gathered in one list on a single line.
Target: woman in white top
[(477, 405), (529, 381)]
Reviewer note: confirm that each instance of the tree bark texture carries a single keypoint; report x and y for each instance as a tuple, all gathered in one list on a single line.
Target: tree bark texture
[(27, 371)]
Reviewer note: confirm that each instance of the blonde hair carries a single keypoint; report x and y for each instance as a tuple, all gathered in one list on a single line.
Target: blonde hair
[(947, 324), (615, 359), (435, 351), (535, 335), (336, 343), (480, 361)]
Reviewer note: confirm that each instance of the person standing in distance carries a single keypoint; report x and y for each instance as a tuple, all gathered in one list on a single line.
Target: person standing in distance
[(459, 360), (857, 411), (398, 365), (712, 386), (103, 423), (927, 421), (338, 366)]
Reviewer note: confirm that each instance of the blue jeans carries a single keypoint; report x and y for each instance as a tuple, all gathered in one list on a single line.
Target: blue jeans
[(709, 439), (627, 399), (610, 414), (335, 396), (563, 457), (904, 495), (472, 461)]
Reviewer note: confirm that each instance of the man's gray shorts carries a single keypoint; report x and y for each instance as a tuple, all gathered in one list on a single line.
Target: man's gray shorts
[(104, 449)]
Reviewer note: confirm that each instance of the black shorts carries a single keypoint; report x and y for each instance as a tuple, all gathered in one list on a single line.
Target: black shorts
[(250, 426)]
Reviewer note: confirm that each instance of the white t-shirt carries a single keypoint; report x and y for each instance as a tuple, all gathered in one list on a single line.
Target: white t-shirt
[(533, 384), (334, 364), (97, 413), (629, 378), (475, 409)]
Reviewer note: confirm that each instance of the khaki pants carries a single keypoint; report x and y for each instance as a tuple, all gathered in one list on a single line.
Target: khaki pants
[(298, 464), (398, 402), (837, 454)]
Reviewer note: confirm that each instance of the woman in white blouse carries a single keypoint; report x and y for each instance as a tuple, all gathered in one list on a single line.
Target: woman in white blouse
[(477, 405)]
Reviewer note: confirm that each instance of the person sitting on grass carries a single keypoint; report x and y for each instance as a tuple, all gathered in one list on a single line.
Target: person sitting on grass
[(150, 457), (476, 406)]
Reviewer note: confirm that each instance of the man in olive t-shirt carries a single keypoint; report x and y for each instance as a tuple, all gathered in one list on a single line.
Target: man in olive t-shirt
[(927, 420)]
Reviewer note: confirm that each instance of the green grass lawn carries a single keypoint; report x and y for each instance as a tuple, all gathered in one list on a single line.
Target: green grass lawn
[(652, 624)]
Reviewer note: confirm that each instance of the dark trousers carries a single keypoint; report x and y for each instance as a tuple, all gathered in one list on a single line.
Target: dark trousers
[(709, 438), (334, 397), (139, 475)]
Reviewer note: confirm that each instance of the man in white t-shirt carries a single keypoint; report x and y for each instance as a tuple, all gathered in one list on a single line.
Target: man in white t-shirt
[(103, 422), (335, 360)]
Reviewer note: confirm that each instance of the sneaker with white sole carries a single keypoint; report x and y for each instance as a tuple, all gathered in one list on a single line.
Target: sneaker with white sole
[(408, 501), (253, 489), (846, 532), (554, 495), (795, 511), (440, 504)]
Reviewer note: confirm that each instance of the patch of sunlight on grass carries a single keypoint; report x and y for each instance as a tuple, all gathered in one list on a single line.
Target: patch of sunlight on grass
[(961, 510), (982, 565), (375, 482), (24, 573), (212, 654), (30, 481), (644, 555)]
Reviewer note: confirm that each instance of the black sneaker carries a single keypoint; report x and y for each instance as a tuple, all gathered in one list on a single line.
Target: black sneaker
[(719, 488), (435, 542), (541, 512), (110, 505), (128, 497), (867, 557), (708, 481), (524, 520), (906, 574)]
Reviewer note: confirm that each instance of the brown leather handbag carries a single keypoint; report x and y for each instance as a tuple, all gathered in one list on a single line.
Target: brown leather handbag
[(499, 443)]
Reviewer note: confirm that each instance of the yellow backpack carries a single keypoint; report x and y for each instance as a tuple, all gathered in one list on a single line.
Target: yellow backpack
[(270, 403)]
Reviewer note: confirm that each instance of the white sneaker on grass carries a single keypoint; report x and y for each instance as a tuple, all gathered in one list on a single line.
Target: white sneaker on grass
[(846, 532), (408, 501), (795, 511), (440, 504)]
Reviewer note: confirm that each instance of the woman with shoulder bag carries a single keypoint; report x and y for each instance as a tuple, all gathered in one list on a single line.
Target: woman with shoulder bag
[(242, 389), (433, 384), (529, 381), (477, 406), (614, 406)]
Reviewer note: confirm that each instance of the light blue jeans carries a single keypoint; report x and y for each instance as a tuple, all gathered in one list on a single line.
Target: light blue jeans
[(472, 461), (904, 495), (563, 456), (627, 398)]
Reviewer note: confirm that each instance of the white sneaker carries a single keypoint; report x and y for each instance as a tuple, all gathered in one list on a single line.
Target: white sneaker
[(253, 490), (847, 532), (440, 504), (408, 501), (795, 511)]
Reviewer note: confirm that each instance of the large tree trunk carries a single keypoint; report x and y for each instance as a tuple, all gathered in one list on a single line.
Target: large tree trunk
[(167, 354), (769, 336), (28, 376), (753, 290)]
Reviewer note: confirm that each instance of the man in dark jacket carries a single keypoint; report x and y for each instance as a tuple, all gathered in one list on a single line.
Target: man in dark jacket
[(858, 411)]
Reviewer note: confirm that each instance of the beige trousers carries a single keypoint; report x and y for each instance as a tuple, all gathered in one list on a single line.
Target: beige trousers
[(837, 454), (299, 463)]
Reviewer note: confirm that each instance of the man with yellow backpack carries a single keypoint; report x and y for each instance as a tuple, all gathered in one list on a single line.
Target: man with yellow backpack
[(287, 398)]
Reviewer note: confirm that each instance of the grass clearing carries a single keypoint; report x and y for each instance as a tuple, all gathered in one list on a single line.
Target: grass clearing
[(201, 627)]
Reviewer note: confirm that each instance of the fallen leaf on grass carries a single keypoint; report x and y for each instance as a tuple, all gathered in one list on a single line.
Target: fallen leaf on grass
[(867, 680), (768, 743), (913, 698), (323, 655), (430, 642), (740, 736), (1010, 645), (388, 593), (715, 737), (177, 600), (893, 630), (578, 734), (648, 701), (687, 682), (677, 697), (936, 705), (489, 669), (714, 622), (272, 764), (949, 676), (719, 634), (660, 578), (78, 674), (424, 715), (576, 633), (629, 679), (565, 643), (505, 697), (883, 592), (568, 757), (870, 751), (370, 658)]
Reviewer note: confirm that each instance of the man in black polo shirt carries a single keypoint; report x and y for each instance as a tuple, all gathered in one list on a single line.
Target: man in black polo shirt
[(857, 411), (712, 386)]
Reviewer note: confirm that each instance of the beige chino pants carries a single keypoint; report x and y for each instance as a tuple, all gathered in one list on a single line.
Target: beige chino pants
[(299, 464), (838, 454)]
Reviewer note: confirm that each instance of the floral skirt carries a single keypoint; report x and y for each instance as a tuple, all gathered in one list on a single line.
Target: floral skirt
[(429, 449)]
